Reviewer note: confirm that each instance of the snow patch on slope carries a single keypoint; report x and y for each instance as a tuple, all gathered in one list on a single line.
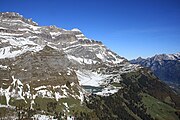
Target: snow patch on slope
[(43, 117), (17, 47), (81, 60), (8, 93), (108, 91), (90, 78)]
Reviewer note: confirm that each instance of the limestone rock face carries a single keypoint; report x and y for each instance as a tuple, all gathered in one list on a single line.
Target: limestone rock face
[(45, 58)]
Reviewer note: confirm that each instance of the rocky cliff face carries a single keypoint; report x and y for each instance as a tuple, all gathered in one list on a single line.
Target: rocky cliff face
[(49, 70)]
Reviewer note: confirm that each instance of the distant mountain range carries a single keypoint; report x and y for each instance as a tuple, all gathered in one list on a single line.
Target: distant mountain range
[(164, 66), (52, 73)]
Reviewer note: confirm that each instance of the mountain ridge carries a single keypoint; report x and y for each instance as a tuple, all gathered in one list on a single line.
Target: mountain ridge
[(165, 66)]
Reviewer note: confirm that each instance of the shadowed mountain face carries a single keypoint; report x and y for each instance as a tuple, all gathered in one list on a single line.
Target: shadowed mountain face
[(48, 72)]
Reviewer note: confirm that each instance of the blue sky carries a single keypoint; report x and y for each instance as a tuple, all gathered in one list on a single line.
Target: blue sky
[(131, 28)]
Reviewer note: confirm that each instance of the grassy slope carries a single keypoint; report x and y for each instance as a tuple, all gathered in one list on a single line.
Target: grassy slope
[(158, 110)]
